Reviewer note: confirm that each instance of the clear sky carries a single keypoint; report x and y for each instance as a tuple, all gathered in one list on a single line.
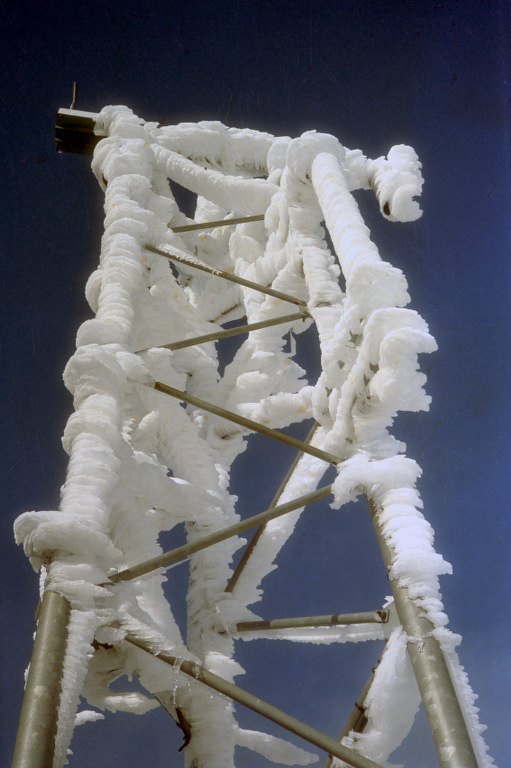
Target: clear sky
[(435, 75)]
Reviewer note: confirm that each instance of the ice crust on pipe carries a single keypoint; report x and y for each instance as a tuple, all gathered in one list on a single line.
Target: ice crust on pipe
[(349, 234), (274, 749), (248, 196), (466, 696), (81, 628), (212, 144), (280, 410), (390, 483), (391, 704), (355, 633), (141, 463), (396, 181)]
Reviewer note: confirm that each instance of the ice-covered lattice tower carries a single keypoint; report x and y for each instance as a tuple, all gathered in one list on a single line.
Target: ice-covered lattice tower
[(156, 428)]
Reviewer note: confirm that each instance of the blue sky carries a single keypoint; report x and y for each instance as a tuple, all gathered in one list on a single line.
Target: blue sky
[(434, 75)]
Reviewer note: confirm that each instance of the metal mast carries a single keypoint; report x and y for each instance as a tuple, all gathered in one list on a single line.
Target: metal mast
[(141, 463)]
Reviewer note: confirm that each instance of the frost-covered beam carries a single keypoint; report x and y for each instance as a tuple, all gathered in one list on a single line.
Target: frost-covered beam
[(190, 262), (229, 276), (219, 223), (181, 553), (35, 743), (234, 692), (247, 423), (332, 620), (239, 329), (450, 734)]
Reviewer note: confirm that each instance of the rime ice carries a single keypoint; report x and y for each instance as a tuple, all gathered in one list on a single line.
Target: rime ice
[(124, 436)]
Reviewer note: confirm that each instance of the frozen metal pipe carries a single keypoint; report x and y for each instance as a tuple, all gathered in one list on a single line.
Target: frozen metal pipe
[(304, 622), (257, 535), (218, 335), (220, 223), (181, 553), (450, 735), (254, 426), (35, 742), (357, 719), (195, 264), (234, 692)]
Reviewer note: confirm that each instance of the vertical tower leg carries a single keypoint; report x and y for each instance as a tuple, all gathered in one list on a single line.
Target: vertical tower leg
[(450, 735), (35, 743)]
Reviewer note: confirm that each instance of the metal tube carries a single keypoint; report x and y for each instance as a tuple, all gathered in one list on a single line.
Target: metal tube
[(35, 742), (181, 553), (218, 335), (304, 622), (234, 692), (226, 275), (357, 719), (257, 535), (247, 423), (450, 735), (220, 223)]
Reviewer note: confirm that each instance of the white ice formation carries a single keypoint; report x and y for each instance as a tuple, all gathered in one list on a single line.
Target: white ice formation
[(140, 464)]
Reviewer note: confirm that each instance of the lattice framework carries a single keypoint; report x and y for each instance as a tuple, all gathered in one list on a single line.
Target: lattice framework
[(255, 252)]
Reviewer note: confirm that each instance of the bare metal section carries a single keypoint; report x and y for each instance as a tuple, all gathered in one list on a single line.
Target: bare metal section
[(239, 329), (357, 719), (76, 131), (234, 692), (304, 622), (254, 426), (220, 223), (450, 735), (183, 552), (195, 264), (257, 535), (35, 742)]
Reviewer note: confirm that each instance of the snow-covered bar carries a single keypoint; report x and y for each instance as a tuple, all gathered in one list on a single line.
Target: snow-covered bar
[(140, 464), (200, 673)]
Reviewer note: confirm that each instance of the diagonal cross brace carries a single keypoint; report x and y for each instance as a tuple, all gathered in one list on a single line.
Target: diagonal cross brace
[(234, 692), (252, 544), (227, 333), (219, 223), (196, 264), (254, 426), (182, 553)]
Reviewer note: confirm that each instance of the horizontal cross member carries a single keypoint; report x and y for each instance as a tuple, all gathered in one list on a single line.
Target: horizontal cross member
[(182, 553), (221, 223), (218, 335), (229, 276), (254, 426), (306, 622), (234, 692)]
